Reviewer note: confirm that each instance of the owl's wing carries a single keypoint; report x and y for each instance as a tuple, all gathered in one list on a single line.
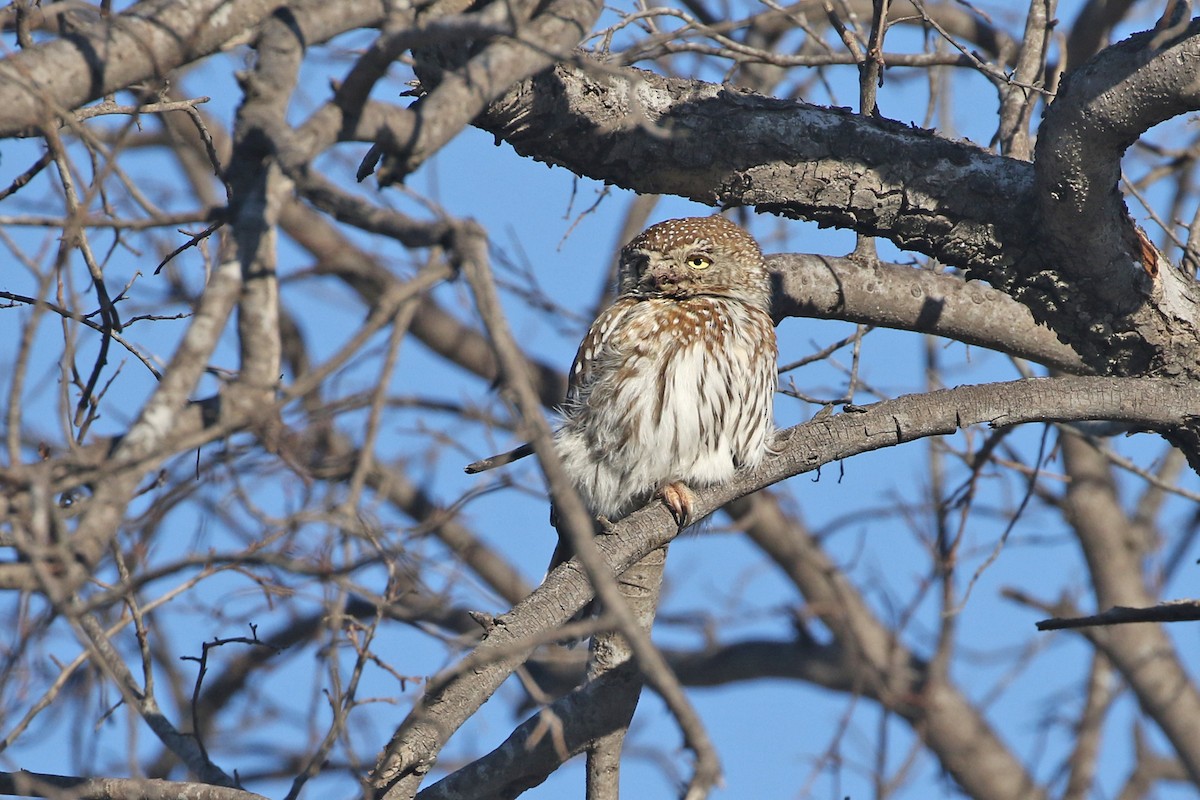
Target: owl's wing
[(593, 347)]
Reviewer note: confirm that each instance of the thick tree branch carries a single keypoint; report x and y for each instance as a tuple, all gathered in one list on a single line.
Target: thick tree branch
[(611, 656), (257, 190), (906, 298), (724, 146), (144, 42), (950, 200), (1100, 110), (462, 94), (542, 743)]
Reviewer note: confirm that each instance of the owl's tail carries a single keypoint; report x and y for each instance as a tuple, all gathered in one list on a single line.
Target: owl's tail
[(563, 552), (484, 464)]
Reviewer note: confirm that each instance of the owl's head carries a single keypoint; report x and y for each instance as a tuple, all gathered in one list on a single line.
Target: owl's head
[(695, 256)]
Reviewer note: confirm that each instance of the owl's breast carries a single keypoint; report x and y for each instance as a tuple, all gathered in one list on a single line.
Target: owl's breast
[(682, 390)]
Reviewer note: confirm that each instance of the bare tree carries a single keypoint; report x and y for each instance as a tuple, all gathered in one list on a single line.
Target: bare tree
[(247, 358)]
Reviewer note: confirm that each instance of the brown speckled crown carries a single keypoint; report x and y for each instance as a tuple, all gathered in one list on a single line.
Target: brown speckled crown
[(703, 231)]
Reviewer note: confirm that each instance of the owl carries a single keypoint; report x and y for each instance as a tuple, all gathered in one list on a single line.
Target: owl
[(672, 387)]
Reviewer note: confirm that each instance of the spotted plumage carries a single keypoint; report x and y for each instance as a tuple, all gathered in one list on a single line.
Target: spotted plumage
[(672, 386)]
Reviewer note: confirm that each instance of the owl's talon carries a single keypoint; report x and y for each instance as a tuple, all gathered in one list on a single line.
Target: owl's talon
[(678, 499), (604, 524)]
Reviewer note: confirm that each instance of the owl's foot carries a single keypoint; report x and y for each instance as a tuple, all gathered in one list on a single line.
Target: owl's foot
[(678, 498)]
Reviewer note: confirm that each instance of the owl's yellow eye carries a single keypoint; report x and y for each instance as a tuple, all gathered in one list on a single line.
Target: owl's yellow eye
[(698, 261)]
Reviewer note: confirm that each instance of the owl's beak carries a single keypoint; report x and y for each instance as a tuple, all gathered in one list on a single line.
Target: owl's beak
[(664, 281)]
